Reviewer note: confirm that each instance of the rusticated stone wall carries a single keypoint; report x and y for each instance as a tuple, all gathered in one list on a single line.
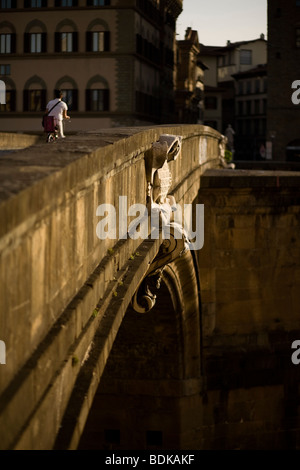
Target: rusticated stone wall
[(250, 284)]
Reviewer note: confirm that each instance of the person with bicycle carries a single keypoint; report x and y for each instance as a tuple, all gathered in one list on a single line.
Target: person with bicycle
[(59, 110)]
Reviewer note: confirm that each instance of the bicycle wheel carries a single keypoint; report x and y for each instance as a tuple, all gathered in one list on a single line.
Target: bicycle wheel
[(50, 137)]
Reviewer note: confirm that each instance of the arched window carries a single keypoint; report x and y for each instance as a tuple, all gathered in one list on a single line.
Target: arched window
[(66, 37), (34, 95), (35, 37), (35, 3), (70, 92), (97, 3), (8, 4), (66, 3), (7, 38), (98, 36), (10, 95), (97, 95)]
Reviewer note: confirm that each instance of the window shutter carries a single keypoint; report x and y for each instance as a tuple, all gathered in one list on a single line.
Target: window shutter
[(12, 100), (13, 43), (57, 45), (89, 41), (88, 100), (106, 100), (44, 42), (25, 100), (75, 100), (107, 40), (75, 42), (43, 100), (26, 42)]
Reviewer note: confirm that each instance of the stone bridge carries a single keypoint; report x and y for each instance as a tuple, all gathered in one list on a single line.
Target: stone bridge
[(119, 328)]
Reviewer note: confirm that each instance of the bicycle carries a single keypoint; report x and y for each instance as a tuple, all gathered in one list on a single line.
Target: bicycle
[(52, 131)]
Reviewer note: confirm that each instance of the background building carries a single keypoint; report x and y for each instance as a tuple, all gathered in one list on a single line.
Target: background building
[(283, 125), (190, 79), (251, 111), (223, 63), (113, 59)]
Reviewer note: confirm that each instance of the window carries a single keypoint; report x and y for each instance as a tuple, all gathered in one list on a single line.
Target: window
[(257, 85), (8, 4), (34, 100), (10, 98), (35, 3), (36, 42), (71, 98), (66, 42), (241, 88), (66, 3), (97, 41), (241, 108), (245, 57), (97, 3), (5, 70), (257, 107), (97, 100), (211, 102), (7, 43), (248, 107), (297, 3), (249, 87)]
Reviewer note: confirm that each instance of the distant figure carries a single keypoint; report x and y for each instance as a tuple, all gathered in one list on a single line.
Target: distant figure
[(229, 133), (59, 110)]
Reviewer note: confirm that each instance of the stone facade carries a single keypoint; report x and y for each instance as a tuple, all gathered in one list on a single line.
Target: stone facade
[(283, 70), (114, 62)]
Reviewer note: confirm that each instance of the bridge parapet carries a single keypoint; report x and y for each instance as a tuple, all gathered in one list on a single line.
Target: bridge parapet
[(57, 278)]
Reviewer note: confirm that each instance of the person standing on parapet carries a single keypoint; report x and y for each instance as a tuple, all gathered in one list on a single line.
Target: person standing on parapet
[(59, 110)]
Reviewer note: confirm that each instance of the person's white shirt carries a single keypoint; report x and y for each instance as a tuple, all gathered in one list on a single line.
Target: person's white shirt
[(58, 111)]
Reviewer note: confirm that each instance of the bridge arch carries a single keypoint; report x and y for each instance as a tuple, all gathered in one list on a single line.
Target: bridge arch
[(156, 358)]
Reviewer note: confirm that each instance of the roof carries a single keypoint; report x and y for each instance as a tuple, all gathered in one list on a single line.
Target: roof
[(261, 69), (219, 50)]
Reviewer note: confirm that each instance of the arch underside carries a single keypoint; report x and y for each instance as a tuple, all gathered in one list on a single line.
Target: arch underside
[(154, 359)]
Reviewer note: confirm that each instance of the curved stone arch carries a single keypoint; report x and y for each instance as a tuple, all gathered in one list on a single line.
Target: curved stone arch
[(36, 23), (97, 79), (98, 22), (33, 80), (66, 22), (9, 83), (155, 361), (8, 25), (65, 79)]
